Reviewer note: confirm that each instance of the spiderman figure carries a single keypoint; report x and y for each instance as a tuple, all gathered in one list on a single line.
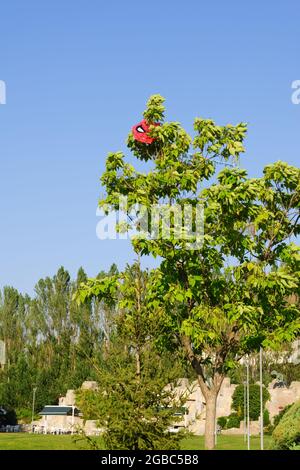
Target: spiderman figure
[(141, 132)]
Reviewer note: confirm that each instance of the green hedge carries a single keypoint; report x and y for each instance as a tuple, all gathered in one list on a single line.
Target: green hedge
[(266, 417), (254, 401), (233, 421), (280, 415), (286, 435)]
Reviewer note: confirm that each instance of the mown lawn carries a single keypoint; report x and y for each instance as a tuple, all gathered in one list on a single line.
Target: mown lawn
[(22, 441), (226, 443)]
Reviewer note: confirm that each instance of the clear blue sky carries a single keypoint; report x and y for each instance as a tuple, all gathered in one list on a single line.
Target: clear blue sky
[(78, 74)]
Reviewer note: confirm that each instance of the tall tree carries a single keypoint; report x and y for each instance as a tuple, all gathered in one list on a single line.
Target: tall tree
[(12, 317), (51, 342), (228, 295)]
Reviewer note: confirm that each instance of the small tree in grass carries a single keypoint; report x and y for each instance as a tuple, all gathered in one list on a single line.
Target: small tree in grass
[(134, 413), (132, 405)]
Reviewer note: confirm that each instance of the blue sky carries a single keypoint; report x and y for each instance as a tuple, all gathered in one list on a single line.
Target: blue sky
[(78, 74)]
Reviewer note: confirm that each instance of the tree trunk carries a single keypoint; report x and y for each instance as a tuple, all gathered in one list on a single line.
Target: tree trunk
[(210, 393), (210, 419), (138, 363)]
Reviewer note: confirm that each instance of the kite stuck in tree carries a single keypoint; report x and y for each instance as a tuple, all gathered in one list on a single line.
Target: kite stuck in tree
[(141, 132)]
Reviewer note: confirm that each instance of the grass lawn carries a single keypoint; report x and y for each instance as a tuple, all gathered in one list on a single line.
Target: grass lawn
[(22, 441), (225, 443)]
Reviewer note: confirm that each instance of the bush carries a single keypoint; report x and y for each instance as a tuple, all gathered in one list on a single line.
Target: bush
[(271, 426), (134, 413), (286, 435), (295, 447), (280, 415), (24, 415), (266, 417), (233, 421), (222, 421), (254, 400)]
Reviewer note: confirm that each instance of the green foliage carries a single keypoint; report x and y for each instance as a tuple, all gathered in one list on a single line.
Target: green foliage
[(294, 447), (132, 406), (280, 415), (51, 342), (24, 415), (204, 296), (254, 400), (266, 417), (134, 412), (286, 435), (222, 421), (233, 421), (237, 289)]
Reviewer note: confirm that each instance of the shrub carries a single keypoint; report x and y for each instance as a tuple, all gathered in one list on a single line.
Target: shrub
[(233, 421), (254, 400), (269, 428), (222, 421), (280, 415), (295, 447), (24, 415), (134, 413), (286, 435), (266, 417)]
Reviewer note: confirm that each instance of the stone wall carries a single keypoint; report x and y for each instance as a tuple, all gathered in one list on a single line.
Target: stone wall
[(68, 400), (195, 403), (281, 397)]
